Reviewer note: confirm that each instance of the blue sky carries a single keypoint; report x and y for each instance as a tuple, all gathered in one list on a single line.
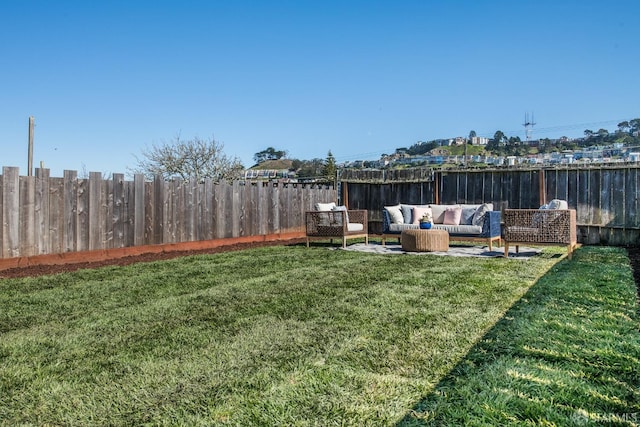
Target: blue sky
[(106, 79)]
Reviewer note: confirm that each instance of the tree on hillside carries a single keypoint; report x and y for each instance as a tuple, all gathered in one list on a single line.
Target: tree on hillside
[(311, 168), (603, 134), (420, 147), (623, 126), (330, 169), (269, 154), (497, 142), (192, 159)]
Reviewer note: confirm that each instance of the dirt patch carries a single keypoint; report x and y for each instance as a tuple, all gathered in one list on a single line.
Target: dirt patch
[(39, 270)]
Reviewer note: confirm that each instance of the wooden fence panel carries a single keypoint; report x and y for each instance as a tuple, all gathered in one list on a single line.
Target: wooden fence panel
[(192, 210), (96, 223), (139, 213), (107, 217), (448, 188), (252, 209), (129, 213), (509, 191), (27, 191), (157, 207), (631, 198), (56, 220), (275, 212), (118, 211), (82, 214), (237, 209), (43, 214), (70, 211), (618, 196), (605, 197), (584, 215), (10, 212), (595, 199)]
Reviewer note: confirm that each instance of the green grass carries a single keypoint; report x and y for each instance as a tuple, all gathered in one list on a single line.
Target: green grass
[(568, 353), (296, 336)]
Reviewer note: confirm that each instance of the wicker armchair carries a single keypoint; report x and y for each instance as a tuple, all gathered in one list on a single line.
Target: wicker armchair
[(323, 225), (539, 227)]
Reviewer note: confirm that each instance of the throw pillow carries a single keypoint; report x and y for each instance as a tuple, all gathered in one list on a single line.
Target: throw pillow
[(418, 212), (478, 217), (407, 213), (395, 214), (438, 212), (325, 206), (452, 216), (467, 216), (558, 204), (342, 208)]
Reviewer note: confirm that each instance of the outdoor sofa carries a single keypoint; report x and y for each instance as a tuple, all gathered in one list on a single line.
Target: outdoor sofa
[(329, 221), (465, 222)]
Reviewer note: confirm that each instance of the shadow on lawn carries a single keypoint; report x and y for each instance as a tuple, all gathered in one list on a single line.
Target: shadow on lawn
[(556, 355)]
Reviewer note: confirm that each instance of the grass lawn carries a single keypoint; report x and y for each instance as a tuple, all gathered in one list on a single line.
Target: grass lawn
[(297, 336)]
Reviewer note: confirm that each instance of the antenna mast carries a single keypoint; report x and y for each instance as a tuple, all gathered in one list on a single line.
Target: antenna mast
[(528, 126)]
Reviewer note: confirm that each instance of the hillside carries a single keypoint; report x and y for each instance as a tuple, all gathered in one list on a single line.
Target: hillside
[(274, 165)]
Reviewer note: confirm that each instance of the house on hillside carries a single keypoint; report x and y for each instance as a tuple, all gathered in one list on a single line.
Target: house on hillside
[(479, 140)]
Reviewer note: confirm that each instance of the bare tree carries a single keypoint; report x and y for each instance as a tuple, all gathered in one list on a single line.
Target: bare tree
[(192, 159)]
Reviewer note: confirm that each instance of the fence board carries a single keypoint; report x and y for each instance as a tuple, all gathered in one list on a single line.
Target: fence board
[(275, 211), (56, 221), (618, 197), (10, 212), (605, 197), (129, 213), (82, 214), (139, 213), (96, 224), (584, 215), (70, 211), (118, 211), (237, 189), (27, 235), (42, 223), (157, 222), (190, 210), (631, 198)]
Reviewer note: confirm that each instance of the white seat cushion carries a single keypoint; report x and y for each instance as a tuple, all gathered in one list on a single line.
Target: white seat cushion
[(355, 226)]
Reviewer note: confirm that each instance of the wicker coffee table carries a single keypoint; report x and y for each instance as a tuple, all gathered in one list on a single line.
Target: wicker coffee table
[(420, 240)]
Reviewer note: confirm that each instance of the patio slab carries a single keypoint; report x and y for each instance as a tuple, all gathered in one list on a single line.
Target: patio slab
[(478, 251)]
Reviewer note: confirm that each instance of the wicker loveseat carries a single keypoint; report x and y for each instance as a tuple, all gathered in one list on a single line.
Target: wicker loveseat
[(539, 227), (328, 222)]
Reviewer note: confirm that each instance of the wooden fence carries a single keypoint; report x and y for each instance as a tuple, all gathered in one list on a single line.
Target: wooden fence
[(606, 198), (46, 215)]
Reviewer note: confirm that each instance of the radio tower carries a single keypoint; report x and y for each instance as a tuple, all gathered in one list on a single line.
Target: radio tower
[(528, 126)]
